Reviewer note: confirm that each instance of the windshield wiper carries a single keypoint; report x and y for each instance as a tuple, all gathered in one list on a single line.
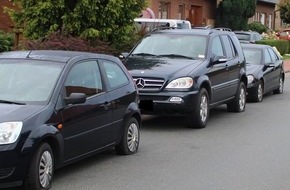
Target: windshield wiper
[(144, 54), (11, 102), (176, 55)]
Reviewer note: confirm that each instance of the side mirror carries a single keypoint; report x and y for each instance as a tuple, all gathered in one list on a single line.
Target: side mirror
[(218, 59), (123, 55), (75, 98)]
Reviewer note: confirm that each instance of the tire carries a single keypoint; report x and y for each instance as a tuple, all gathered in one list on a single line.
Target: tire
[(239, 102), (280, 89), (130, 140), (199, 117), (259, 93), (40, 172)]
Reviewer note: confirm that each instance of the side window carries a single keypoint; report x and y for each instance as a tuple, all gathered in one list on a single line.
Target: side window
[(84, 78), (230, 51), (273, 55), (267, 56), (217, 48), (115, 75)]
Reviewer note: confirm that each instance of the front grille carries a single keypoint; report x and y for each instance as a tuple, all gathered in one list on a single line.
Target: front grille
[(154, 84), (5, 172)]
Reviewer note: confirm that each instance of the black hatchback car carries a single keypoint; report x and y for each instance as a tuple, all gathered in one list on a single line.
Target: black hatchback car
[(186, 72), (58, 107), (264, 71)]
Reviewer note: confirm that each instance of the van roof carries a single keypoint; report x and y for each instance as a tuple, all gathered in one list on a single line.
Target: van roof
[(158, 20)]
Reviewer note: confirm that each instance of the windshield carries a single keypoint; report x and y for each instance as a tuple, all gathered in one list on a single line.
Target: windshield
[(27, 82), (191, 46), (253, 56)]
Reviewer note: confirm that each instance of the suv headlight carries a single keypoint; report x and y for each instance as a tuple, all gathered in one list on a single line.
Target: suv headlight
[(185, 82), (9, 132), (250, 78)]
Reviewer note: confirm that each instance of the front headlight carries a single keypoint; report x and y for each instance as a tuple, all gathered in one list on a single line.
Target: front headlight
[(9, 132), (185, 82), (250, 78)]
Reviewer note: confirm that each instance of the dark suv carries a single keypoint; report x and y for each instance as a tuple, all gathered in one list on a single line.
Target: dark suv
[(187, 72)]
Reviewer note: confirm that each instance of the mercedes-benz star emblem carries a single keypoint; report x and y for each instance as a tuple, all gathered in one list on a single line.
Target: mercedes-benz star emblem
[(140, 83)]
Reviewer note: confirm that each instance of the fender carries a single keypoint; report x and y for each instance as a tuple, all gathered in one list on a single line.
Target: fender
[(42, 133)]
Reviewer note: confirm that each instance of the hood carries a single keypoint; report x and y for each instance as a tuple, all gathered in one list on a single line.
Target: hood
[(251, 69), (156, 67), (11, 112)]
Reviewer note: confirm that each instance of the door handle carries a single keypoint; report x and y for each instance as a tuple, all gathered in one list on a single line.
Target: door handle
[(106, 105)]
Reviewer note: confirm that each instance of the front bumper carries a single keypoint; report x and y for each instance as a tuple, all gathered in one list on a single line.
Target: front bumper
[(13, 167), (161, 103)]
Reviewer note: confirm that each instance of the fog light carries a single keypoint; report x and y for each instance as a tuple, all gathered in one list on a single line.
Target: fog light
[(175, 99)]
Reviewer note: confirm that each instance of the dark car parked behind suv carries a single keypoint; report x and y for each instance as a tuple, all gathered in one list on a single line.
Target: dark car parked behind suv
[(187, 72), (58, 107)]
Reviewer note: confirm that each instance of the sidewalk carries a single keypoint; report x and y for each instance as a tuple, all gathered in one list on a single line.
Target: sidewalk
[(287, 65)]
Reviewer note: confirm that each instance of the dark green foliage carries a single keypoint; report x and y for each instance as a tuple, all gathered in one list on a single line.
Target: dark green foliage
[(234, 14), (106, 20), (258, 27), (281, 45), (6, 41), (284, 7)]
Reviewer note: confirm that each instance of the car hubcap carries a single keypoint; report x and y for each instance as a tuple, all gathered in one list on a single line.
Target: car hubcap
[(133, 137), (203, 108), (260, 92), (242, 100), (45, 169)]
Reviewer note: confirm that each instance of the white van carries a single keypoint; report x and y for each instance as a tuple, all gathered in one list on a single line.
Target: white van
[(150, 24)]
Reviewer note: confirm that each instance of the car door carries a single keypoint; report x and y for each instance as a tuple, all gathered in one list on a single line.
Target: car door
[(268, 70), (122, 94), (278, 67), (218, 73), (86, 126), (233, 65)]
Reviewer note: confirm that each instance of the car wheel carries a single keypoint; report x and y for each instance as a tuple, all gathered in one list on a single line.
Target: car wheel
[(239, 102), (280, 89), (198, 118), (40, 172), (130, 140), (258, 96)]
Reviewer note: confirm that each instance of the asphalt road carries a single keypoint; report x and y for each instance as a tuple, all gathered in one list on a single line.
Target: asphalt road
[(236, 151)]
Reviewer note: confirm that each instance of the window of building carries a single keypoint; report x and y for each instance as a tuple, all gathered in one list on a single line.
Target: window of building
[(164, 8), (262, 18), (270, 21), (181, 11)]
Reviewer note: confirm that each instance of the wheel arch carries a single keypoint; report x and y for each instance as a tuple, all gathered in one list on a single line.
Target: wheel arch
[(46, 134), (204, 82)]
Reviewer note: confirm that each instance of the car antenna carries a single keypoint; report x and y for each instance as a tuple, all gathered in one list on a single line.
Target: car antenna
[(28, 54)]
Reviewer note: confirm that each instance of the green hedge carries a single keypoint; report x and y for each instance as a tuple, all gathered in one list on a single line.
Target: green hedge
[(6, 41), (281, 45)]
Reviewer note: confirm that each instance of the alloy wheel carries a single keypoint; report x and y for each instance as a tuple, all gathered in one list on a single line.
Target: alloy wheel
[(203, 108), (133, 137), (242, 100), (45, 169)]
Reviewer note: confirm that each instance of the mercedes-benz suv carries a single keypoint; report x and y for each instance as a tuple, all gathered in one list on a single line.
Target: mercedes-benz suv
[(187, 72)]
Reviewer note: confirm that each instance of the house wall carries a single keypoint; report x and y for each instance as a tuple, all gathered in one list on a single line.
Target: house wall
[(199, 12), (5, 22)]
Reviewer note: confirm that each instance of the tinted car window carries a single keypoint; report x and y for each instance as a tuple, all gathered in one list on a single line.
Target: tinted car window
[(217, 48), (228, 47), (116, 77), (267, 57), (84, 78), (273, 55)]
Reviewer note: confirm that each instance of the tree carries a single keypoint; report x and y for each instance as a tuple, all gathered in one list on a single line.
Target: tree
[(110, 20), (284, 7), (234, 14)]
